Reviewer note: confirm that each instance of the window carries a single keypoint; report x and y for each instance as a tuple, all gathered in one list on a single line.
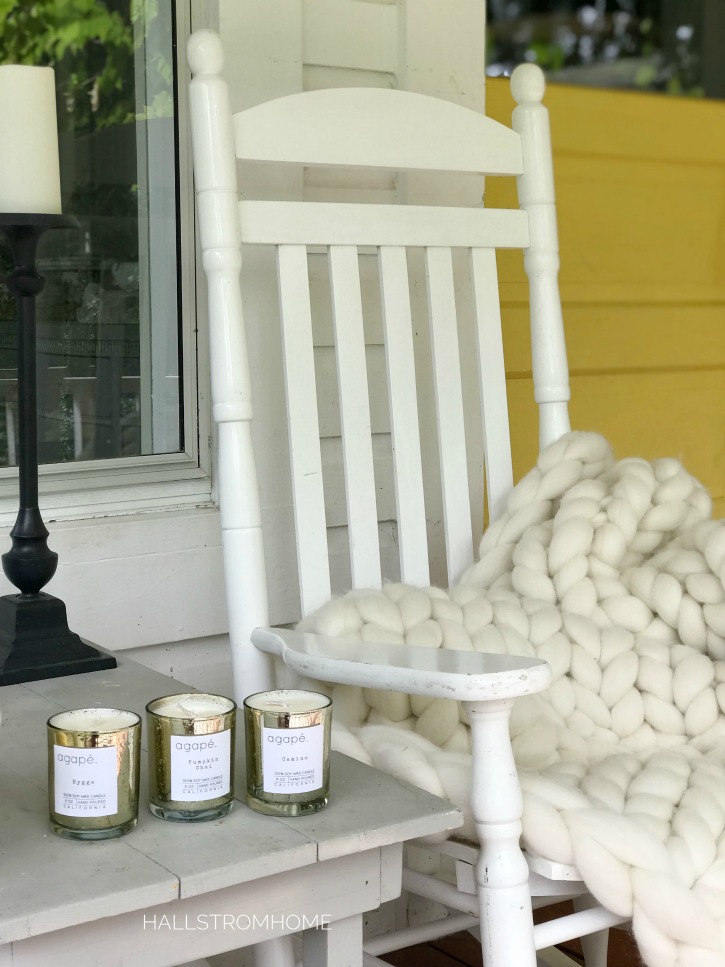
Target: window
[(668, 46), (116, 340)]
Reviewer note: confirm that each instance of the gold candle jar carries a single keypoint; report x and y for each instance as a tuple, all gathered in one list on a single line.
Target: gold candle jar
[(288, 751), (93, 772), (191, 756)]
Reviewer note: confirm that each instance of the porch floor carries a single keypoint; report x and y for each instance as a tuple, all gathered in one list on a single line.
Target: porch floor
[(462, 950), (458, 950)]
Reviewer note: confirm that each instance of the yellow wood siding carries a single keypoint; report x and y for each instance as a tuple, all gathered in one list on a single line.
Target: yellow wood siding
[(640, 183)]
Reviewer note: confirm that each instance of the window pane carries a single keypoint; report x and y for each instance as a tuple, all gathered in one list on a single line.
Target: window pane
[(108, 317), (668, 46)]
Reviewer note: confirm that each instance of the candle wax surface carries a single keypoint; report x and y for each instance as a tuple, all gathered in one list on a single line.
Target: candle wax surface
[(193, 706), (93, 720), (287, 700)]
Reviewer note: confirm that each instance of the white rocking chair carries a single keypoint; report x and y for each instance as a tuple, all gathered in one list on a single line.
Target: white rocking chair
[(393, 130)]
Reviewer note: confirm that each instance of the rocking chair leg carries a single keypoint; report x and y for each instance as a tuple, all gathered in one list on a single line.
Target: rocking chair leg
[(502, 874), (594, 945), (338, 945)]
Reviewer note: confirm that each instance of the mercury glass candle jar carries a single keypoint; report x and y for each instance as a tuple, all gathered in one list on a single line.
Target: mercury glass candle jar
[(93, 772), (288, 751), (191, 756)]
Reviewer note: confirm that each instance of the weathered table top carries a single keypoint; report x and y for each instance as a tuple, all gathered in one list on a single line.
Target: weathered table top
[(48, 883)]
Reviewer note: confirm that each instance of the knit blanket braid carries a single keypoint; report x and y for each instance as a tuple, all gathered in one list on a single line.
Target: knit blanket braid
[(614, 573)]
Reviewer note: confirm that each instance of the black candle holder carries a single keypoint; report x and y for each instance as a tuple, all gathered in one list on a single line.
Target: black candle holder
[(35, 641)]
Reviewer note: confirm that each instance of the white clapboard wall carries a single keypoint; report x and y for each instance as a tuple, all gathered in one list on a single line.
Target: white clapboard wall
[(282, 47)]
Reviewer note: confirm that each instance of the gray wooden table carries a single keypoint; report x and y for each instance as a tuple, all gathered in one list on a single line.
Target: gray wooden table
[(168, 893)]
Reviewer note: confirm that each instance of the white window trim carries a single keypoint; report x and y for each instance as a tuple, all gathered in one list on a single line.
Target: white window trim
[(97, 488)]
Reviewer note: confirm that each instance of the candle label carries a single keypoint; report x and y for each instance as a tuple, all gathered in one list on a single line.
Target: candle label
[(292, 759), (201, 766), (85, 781)]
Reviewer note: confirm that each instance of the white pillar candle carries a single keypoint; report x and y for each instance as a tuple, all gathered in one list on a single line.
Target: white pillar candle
[(29, 165)]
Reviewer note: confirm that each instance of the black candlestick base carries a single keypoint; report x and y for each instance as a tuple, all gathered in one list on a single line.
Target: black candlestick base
[(36, 643)]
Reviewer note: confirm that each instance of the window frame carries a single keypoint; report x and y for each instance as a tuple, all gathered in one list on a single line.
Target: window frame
[(126, 485)]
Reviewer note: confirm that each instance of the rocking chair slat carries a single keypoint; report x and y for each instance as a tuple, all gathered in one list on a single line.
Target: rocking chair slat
[(304, 435), (449, 411), (331, 223), (492, 380), (404, 424), (326, 132), (355, 417)]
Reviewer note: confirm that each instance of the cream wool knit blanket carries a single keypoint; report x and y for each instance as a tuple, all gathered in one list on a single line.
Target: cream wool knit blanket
[(614, 573)]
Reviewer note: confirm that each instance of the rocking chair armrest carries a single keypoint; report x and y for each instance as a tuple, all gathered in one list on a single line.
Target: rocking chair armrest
[(467, 676)]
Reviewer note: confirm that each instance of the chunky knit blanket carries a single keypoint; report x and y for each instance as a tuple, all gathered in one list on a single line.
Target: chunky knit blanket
[(614, 573)]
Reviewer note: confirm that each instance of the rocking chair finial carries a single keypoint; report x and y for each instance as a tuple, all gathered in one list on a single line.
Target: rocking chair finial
[(204, 53), (528, 83)]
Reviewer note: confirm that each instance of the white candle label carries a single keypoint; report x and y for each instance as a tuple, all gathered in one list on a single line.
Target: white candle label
[(85, 781), (292, 759), (200, 766)]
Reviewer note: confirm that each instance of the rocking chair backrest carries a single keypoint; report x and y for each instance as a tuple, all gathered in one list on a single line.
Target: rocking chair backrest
[(394, 130)]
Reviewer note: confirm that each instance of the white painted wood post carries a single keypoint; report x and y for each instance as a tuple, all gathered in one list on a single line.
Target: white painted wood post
[(537, 198), (339, 944), (219, 232), (277, 952), (502, 874)]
